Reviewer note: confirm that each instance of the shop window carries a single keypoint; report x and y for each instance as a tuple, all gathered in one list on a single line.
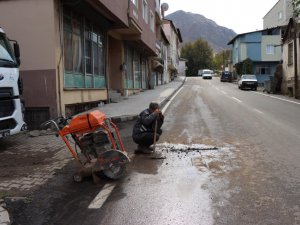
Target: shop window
[(84, 53), (137, 70), (129, 65)]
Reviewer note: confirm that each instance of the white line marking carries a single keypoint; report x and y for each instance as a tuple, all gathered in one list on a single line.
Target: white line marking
[(237, 99), (298, 103), (102, 196), (260, 112), (217, 88), (225, 93), (167, 105)]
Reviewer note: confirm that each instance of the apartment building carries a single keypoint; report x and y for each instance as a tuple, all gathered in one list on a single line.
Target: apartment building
[(262, 47), (278, 15), (76, 54), (174, 36)]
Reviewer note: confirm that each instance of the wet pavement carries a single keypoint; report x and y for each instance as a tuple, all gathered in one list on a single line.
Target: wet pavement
[(226, 163)]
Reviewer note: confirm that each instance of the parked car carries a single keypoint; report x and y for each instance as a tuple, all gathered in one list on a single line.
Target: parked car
[(248, 81), (207, 74), (226, 76)]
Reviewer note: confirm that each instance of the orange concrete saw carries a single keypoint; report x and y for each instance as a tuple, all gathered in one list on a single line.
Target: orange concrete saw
[(96, 144)]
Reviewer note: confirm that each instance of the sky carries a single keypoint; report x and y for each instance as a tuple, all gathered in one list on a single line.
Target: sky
[(242, 16)]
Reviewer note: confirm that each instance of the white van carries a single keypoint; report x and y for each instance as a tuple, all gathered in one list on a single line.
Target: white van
[(206, 74)]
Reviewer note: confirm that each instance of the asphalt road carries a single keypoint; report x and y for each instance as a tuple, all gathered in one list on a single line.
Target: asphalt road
[(252, 177)]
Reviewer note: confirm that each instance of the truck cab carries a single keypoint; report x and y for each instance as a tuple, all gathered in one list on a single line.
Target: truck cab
[(11, 107)]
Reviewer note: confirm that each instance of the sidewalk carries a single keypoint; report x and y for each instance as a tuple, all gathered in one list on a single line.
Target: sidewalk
[(21, 168), (129, 108)]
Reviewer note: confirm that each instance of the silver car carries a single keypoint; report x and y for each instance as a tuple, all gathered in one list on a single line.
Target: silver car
[(248, 81)]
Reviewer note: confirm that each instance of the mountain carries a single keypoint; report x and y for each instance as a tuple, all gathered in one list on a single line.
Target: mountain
[(193, 26)]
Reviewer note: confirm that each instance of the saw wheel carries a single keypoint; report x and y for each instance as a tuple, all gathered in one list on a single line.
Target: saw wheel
[(113, 163)]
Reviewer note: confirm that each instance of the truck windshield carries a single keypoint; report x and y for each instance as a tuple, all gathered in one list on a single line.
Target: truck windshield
[(7, 58)]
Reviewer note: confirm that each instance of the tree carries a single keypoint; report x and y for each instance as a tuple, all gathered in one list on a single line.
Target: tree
[(296, 7), (221, 58), (245, 67), (199, 55)]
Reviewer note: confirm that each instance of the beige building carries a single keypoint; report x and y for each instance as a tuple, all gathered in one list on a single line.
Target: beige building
[(77, 54), (174, 36), (291, 64), (279, 15)]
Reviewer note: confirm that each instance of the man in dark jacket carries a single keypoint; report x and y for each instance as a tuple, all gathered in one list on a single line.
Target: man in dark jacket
[(144, 128)]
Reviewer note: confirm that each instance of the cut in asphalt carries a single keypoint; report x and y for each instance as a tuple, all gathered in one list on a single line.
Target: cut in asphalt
[(128, 110)]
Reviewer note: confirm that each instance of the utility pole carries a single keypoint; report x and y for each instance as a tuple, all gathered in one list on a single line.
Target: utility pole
[(296, 60)]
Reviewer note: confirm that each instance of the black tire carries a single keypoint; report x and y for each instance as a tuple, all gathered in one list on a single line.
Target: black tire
[(254, 89)]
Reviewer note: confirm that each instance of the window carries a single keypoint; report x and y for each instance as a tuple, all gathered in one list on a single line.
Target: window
[(290, 53), (84, 57), (280, 16), (137, 70), (270, 49), (263, 70), (145, 11), (151, 21), (135, 2)]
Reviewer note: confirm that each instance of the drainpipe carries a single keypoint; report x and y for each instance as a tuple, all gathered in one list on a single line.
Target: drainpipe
[(295, 60), (107, 67)]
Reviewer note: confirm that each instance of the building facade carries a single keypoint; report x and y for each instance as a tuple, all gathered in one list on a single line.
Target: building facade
[(262, 48), (291, 64), (75, 54), (174, 36), (279, 15)]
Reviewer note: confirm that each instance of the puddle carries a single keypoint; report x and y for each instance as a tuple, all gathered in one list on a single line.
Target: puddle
[(203, 157)]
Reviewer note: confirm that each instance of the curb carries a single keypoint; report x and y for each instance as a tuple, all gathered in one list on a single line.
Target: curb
[(164, 102), (125, 118)]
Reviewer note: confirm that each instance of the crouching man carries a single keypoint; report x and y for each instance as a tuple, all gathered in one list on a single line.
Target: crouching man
[(144, 128)]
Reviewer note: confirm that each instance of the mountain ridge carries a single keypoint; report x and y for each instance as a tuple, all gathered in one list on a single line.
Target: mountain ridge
[(194, 26)]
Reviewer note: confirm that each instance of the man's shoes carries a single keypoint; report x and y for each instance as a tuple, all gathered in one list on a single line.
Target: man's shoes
[(143, 150)]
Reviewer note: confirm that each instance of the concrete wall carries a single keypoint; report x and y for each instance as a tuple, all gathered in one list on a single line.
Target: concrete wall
[(271, 40), (288, 70), (271, 19), (31, 23), (252, 37), (148, 37), (181, 67), (118, 9), (115, 60), (254, 51), (242, 52)]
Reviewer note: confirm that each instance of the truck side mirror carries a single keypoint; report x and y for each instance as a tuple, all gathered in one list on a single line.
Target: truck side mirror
[(17, 52)]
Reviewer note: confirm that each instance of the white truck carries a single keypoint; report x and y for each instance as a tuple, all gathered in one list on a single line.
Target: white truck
[(11, 106)]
